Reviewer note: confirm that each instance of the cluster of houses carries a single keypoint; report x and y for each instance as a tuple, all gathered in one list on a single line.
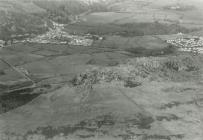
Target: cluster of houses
[(56, 35), (53, 36), (81, 41), (192, 44)]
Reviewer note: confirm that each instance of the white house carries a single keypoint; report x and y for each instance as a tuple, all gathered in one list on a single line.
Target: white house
[(1, 43)]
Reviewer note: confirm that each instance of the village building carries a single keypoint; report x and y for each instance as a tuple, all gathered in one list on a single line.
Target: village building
[(2, 43)]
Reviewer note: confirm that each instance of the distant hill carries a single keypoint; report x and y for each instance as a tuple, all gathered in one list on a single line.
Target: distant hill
[(20, 17)]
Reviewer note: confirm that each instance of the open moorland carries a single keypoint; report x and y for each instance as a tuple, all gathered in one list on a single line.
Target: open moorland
[(140, 78)]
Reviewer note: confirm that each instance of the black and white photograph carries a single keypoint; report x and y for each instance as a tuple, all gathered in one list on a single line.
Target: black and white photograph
[(101, 69)]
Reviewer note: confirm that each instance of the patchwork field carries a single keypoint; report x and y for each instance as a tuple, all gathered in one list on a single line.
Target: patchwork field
[(129, 84)]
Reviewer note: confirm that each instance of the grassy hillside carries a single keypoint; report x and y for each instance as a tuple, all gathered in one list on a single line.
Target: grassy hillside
[(17, 18), (31, 17), (127, 29), (65, 10)]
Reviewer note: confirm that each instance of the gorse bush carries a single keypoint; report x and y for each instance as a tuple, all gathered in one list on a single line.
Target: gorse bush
[(172, 64), (168, 68), (95, 75), (182, 63), (135, 71), (84, 82)]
